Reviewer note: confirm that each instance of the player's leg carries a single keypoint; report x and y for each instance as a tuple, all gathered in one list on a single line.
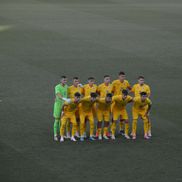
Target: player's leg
[(124, 117), (62, 128), (149, 127), (91, 122), (113, 126), (121, 126), (99, 124), (82, 125), (68, 129), (77, 124), (106, 124), (145, 124), (57, 115), (134, 123), (74, 127)]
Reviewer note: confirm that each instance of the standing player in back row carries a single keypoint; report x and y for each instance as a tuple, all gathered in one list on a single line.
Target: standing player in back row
[(61, 95), (117, 86), (89, 88), (142, 87), (76, 87), (102, 90)]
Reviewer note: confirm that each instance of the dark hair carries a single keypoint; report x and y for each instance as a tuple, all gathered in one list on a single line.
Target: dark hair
[(93, 94), (125, 92), (77, 94), (109, 95), (143, 93), (75, 78), (91, 78), (105, 76), (63, 77), (121, 73), (141, 77)]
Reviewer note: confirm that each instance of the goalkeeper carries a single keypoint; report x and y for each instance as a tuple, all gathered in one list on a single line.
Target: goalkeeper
[(61, 95)]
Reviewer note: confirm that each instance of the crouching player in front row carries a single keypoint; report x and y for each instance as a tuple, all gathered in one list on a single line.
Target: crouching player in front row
[(86, 114), (68, 114), (141, 107), (103, 114), (119, 112)]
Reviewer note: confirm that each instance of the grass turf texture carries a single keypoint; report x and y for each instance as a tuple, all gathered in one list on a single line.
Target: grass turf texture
[(46, 39)]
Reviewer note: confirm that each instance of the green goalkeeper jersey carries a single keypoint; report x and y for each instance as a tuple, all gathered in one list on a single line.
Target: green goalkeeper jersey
[(63, 90)]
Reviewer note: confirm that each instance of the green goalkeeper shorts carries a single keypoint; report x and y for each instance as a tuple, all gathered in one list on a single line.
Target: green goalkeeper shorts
[(57, 109)]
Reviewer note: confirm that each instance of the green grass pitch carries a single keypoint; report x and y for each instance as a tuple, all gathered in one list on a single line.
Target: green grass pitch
[(42, 39)]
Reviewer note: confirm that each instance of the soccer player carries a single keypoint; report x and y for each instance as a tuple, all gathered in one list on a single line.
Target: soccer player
[(61, 95), (87, 90), (142, 87), (102, 90), (141, 107), (86, 112), (90, 87), (117, 86), (76, 87), (105, 87), (119, 111), (68, 114), (103, 114)]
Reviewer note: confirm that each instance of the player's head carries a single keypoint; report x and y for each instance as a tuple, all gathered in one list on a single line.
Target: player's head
[(143, 95), (76, 81), (124, 93), (107, 79), (91, 81), (93, 96), (141, 80), (63, 80), (77, 96), (108, 97), (122, 76)]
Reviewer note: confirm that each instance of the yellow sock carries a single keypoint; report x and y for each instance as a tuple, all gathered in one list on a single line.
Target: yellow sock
[(145, 126), (113, 127), (121, 125), (74, 126), (99, 131), (126, 128), (105, 131), (149, 126), (134, 127), (68, 127)]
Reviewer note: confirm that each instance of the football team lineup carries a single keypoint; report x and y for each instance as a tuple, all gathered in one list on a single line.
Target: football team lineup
[(78, 105)]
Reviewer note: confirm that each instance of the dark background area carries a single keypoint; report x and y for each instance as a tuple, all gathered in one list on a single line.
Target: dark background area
[(40, 40)]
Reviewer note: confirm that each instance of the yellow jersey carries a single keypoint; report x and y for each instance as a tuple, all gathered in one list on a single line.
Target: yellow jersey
[(86, 105), (70, 107), (120, 103), (138, 104), (137, 89), (102, 105), (118, 86), (103, 89), (72, 90), (87, 89)]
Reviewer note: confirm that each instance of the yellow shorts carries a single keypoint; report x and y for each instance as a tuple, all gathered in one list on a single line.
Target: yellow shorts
[(119, 114), (139, 113), (103, 116), (83, 116), (68, 117)]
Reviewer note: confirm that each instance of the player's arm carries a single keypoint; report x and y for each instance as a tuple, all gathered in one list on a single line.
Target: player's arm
[(98, 90), (149, 108), (148, 92), (129, 87)]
